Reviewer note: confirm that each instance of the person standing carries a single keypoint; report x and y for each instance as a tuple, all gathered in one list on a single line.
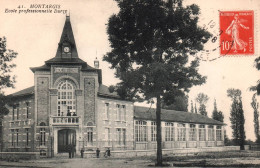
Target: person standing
[(97, 152), (108, 152), (82, 152), (73, 150), (69, 150)]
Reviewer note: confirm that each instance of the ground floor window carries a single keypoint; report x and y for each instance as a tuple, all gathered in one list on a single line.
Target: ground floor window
[(140, 131), (42, 136), (211, 136), (27, 136), (12, 137), (169, 132), (219, 133), (153, 131), (120, 136), (181, 132), (17, 135), (202, 133), (107, 136), (90, 135), (192, 133)]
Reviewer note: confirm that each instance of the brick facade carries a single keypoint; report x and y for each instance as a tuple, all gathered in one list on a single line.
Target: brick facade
[(89, 99)]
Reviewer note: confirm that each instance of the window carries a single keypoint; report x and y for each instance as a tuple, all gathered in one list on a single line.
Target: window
[(192, 134), (169, 132), (107, 136), (140, 131), (181, 132), (106, 111), (118, 115), (27, 136), (27, 109), (202, 133), (66, 99), (219, 133), (14, 110), (42, 136), (123, 115), (17, 137), (153, 131), (90, 136), (17, 111), (12, 137), (120, 136), (211, 136)]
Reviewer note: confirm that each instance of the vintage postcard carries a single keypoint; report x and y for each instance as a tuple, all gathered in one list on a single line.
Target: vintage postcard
[(199, 59)]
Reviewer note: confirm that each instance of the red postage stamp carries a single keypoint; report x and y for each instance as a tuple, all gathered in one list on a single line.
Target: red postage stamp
[(236, 32)]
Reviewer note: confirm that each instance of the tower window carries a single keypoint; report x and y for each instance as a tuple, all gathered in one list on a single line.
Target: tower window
[(66, 99)]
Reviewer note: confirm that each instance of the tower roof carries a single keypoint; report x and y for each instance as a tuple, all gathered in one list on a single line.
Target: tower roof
[(67, 37), (69, 57)]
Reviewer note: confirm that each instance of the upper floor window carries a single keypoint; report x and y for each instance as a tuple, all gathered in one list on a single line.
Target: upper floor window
[(118, 114), (66, 99), (106, 111), (123, 115), (27, 109), (16, 111)]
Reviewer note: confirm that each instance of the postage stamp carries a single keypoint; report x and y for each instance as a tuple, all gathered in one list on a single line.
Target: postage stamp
[(237, 32)]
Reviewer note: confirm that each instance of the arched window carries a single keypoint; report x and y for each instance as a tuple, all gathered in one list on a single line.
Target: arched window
[(66, 99)]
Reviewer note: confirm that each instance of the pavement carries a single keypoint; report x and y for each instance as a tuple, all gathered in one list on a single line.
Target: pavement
[(78, 163)]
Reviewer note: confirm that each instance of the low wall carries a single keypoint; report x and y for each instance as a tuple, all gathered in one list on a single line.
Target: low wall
[(16, 156), (175, 151)]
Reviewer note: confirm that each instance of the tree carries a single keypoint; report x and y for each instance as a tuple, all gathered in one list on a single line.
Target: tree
[(202, 99), (217, 115), (180, 104), (257, 87), (151, 43), (196, 111), (255, 106), (6, 79), (191, 107), (6, 65), (237, 117)]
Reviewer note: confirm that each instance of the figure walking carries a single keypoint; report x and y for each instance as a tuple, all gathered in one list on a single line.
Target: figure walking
[(233, 30)]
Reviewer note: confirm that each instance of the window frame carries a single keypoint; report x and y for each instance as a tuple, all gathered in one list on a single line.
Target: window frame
[(140, 131)]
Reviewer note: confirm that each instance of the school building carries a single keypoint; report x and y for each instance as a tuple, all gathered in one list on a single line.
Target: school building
[(68, 104)]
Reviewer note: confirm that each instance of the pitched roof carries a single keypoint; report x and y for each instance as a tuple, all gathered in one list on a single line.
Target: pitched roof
[(27, 91), (102, 90), (67, 36), (145, 113)]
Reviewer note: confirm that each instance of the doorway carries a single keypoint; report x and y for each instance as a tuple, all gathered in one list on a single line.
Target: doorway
[(66, 137)]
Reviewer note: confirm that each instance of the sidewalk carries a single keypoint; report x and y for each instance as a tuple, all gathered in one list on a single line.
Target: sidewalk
[(77, 162)]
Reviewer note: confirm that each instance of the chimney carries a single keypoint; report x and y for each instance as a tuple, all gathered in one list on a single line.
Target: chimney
[(96, 63)]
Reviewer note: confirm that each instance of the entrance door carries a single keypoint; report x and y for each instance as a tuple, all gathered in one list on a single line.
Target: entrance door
[(66, 137)]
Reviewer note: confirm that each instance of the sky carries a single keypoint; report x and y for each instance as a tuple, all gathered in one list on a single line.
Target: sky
[(35, 37)]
